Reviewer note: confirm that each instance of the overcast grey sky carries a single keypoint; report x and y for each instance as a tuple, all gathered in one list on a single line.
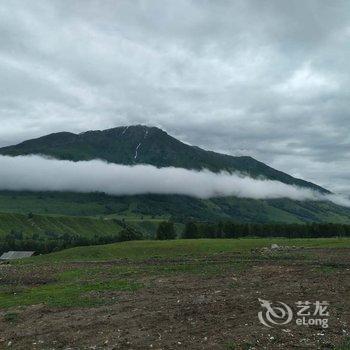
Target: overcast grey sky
[(265, 78)]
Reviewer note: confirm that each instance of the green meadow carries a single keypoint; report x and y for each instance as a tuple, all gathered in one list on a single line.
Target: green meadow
[(138, 250), (72, 277)]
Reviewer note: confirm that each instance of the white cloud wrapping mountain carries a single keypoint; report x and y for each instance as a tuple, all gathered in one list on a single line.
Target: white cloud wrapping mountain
[(37, 173)]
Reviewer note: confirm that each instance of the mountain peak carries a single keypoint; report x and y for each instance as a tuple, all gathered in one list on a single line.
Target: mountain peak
[(138, 130), (141, 144)]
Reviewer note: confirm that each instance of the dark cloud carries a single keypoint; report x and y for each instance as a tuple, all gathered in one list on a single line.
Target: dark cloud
[(265, 78)]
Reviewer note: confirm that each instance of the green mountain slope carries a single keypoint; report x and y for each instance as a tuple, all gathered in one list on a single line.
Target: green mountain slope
[(43, 224), (145, 145), (139, 210)]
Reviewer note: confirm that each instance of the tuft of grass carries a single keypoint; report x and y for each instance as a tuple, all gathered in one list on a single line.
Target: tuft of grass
[(11, 317), (345, 345), (65, 295), (231, 346), (327, 269)]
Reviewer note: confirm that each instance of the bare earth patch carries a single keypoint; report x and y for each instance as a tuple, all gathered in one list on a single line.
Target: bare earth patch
[(192, 310)]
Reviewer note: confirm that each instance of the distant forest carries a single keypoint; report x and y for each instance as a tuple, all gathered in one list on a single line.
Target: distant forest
[(229, 229), (51, 241)]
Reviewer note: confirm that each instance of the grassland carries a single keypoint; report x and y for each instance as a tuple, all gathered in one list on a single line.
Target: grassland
[(68, 287), (138, 250), (144, 294)]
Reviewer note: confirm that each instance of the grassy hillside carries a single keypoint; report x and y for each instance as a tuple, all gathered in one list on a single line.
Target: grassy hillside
[(148, 226), (42, 224), (158, 207)]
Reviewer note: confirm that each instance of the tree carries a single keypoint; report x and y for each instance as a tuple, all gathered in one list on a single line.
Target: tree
[(128, 234), (190, 231), (165, 230), (220, 230)]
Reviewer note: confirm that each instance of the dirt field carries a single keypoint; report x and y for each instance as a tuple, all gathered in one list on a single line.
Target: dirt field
[(207, 303)]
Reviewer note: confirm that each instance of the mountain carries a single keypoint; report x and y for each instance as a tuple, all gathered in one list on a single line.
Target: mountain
[(151, 145), (145, 145), (143, 208)]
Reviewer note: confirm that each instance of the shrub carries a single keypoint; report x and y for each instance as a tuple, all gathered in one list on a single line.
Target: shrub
[(190, 231), (165, 230)]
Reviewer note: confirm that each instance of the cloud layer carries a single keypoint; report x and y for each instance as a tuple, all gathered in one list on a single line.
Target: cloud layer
[(37, 173), (264, 78)]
